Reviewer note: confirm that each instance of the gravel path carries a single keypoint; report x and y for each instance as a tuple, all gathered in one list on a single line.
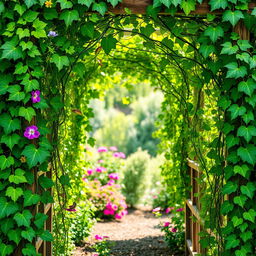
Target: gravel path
[(136, 235)]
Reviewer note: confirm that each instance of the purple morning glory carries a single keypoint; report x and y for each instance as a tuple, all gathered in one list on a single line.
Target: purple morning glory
[(52, 34), (35, 96), (31, 132)]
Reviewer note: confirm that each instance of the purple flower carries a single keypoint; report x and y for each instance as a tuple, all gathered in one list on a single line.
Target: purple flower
[(90, 172), (174, 230), (180, 210), (113, 148), (35, 96), (52, 34), (102, 149), (31, 132), (71, 210), (100, 169)]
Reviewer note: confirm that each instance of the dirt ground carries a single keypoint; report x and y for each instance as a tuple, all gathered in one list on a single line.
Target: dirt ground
[(136, 235)]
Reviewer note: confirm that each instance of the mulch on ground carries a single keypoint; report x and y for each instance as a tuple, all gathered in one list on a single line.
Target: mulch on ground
[(137, 234)]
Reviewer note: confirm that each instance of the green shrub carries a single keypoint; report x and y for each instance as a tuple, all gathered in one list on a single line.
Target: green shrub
[(135, 177)]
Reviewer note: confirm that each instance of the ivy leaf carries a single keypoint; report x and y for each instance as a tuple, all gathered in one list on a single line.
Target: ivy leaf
[(218, 4), (27, 113), (28, 234), (244, 56), (114, 2), (9, 124), (246, 236), (45, 182), (6, 225), (14, 235), (65, 4), (234, 71), (229, 49), (240, 200), (18, 177), (15, 93), (248, 189), (24, 218), (20, 69), (6, 249), (247, 154), (247, 87), (30, 198), (22, 33), (88, 30), (10, 140), (252, 62), (46, 236), (88, 3), (248, 117), (7, 208), (11, 51), (206, 50), (232, 242), (4, 83), (236, 111), (69, 16), (250, 215), (237, 221), (214, 33), (30, 3), (108, 43), (35, 155), (100, 7), (232, 141), (226, 207), (229, 187), (30, 84), (40, 219), (242, 170), (246, 132), (60, 61), (188, 6), (244, 44), (6, 162), (14, 193), (232, 16), (167, 3), (29, 250)]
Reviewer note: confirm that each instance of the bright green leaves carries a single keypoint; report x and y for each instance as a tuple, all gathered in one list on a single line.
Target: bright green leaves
[(69, 16), (237, 221), (229, 187), (234, 71), (236, 111), (18, 177), (247, 132), (242, 170), (30, 3), (206, 50), (100, 7), (10, 140), (11, 50), (24, 218), (214, 33), (232, 16), (167, 3), (30, 84), (7, 208), (4, 83), (232, 141), (14, 193), (188, 6), (6, 162), (247, 87), (9, 124), (27, 113), (39, 31), (248, 189), (64, 4), (46, 236), (30, 198), (244, 45), (246, 236), (23, 33), (226, 207), (15, 235), (28, 234), (114, 2), (6, 249), (35, 155), (229, 49), (240, 200), (218, 4), (250, 215), (247, 154), (108, 43), (60, 61), (29, 250), (15, 93), (40, 219), (232, 242)]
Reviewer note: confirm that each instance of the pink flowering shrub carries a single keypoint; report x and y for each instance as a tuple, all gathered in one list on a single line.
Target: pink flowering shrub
[(102, 185)]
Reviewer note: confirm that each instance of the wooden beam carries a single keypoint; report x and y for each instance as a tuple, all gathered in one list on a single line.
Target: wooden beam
[(140, 7)]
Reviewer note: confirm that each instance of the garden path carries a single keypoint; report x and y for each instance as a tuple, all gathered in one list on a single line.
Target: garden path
[(136, 235)]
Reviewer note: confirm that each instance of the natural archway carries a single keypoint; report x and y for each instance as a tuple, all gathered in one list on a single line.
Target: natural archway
[(43, 41)]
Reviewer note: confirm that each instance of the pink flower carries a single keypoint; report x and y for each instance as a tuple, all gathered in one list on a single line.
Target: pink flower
[(174, 230), (110, 182), (167, 224), (124, 212), (118, 217), (122, 155), (102, 149), (95, 254), (106, 237), (154, 197), (100, 169), (35, 96), (180, 210), (90, 171), (113, 176), (100, 161), (31, 132), (158, 209), (169, 209), (116, 154), (108, 212), (113, 148), (98, 237)]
